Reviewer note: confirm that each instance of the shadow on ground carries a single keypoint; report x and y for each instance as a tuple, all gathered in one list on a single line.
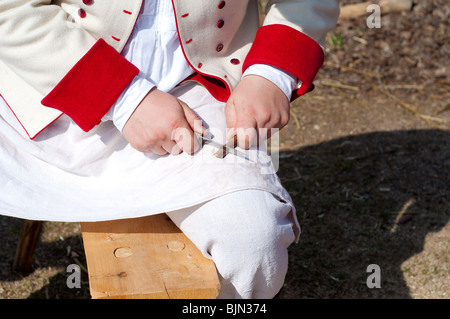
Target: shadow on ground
[(361, 200), (51, 259), (364, 199)]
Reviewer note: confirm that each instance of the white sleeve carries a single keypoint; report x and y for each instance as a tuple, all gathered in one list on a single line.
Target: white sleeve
[(128, 101), (284, 80)]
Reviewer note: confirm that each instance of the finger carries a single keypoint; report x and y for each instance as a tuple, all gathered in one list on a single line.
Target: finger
[(246, 131), (263, 134), (171, 147), (176, 150), (231, 118), (158, 150), (184, 135), (185, 139)]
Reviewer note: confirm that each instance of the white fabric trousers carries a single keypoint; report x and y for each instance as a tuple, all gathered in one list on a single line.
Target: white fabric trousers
[(246, 234)]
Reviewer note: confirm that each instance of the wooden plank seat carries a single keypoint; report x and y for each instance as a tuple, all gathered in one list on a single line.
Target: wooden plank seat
[(146, 257), (139, 258)]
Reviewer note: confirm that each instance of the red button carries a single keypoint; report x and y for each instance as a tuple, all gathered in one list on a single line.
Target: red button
[(235, 61), (87, 2), (82, 13), (221, 4), (219, 47), (220, 23)]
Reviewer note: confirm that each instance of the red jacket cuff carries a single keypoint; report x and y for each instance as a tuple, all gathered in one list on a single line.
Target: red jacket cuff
[(92, 86), (290, 50)]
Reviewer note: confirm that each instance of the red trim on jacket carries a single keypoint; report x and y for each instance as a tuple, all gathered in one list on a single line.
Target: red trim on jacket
[(32, 137), (290, 50), (92, 86), (216, 87)]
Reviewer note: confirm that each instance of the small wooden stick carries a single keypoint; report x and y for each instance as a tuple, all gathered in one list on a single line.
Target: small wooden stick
[(223, 151), (337, 84), (411, 109), (348, 68), (386, 6)]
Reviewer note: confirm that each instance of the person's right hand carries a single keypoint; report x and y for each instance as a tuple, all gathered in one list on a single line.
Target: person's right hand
[(163, 124)]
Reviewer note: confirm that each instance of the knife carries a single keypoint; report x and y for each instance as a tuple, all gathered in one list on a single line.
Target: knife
[(223, 149)]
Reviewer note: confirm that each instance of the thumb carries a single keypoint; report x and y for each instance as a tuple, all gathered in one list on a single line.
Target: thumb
[(192, 118), (195, 125)]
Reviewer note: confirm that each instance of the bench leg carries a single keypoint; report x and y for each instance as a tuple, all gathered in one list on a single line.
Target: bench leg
[(29, 237)]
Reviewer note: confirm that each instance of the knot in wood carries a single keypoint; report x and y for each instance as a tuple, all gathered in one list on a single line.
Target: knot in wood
[(123, 252), (176, 245)]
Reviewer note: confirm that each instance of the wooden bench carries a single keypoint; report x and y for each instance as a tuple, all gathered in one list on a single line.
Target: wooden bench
[(146, 257)]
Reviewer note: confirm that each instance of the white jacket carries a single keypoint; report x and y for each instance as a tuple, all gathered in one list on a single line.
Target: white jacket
[(64, 56)]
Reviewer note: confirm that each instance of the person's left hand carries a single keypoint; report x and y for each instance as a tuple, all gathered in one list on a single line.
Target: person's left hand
[(255, 106)]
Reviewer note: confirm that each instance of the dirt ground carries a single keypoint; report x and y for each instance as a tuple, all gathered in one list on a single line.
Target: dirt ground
[(366, 158)]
